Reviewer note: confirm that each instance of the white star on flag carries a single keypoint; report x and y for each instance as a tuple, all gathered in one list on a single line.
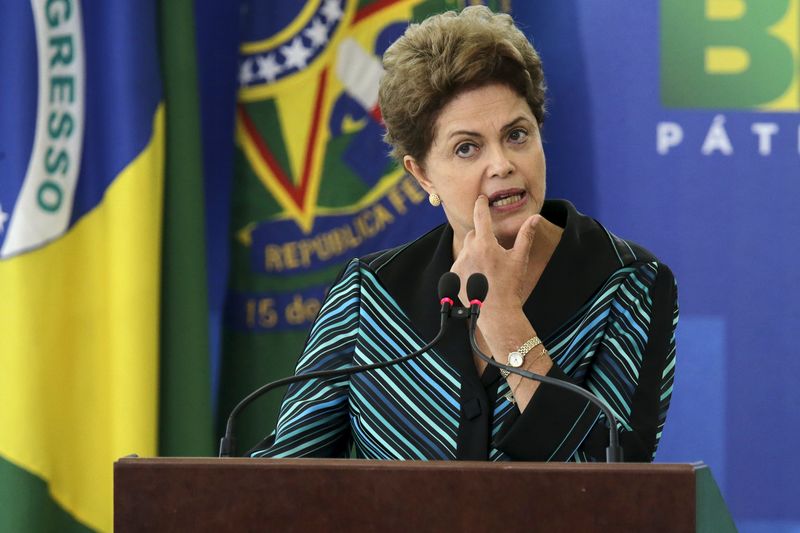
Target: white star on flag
[(268, 67), (332, 10), (3, 219), (246, 72), (296, 54), (317, 33)]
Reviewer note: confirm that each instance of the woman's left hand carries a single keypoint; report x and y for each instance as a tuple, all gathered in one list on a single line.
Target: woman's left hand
[(503, 326), (506, 270)]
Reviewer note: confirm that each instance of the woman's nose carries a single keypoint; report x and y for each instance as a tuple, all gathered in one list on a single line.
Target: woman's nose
[(500, 165)]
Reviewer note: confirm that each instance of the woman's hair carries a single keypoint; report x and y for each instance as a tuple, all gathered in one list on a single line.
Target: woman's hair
[(443, 56)]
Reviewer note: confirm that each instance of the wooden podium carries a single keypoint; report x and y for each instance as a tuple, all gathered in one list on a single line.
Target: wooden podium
[(355, 495)]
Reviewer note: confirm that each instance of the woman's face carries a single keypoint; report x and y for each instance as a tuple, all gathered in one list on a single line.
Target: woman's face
[(486, 142)]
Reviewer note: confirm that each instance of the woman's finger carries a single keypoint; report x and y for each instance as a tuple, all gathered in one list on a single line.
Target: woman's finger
[(525, 235), (482, 218)]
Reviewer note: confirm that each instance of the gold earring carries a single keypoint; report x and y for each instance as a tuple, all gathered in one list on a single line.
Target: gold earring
[(434, 199)]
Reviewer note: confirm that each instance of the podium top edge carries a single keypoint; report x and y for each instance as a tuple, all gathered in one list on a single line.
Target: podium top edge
[(238, 462)]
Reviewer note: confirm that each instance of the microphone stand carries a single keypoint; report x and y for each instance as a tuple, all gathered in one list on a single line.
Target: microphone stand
[(613, 451), (227, 442)]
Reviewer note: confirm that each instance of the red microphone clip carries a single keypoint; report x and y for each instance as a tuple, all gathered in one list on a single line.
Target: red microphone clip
[(446, 300), (476, 302)]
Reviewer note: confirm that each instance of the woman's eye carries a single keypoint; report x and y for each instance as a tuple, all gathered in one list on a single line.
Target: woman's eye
[(466, 150), (518, 136)]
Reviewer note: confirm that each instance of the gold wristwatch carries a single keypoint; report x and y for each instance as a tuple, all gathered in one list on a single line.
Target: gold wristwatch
[(517, 357)]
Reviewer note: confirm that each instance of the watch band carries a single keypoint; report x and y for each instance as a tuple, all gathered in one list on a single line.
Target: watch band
[(517, 357)]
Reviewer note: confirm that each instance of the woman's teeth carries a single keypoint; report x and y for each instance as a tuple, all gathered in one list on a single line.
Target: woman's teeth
[(508, 200)]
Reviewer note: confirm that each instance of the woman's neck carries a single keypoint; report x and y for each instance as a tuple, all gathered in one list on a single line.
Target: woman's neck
[(545, 241)]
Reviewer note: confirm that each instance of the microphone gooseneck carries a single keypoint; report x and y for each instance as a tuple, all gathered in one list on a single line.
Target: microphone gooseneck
[(477, 289), (449, 285)]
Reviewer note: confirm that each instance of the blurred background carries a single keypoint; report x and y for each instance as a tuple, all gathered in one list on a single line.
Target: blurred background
[(180, 181)]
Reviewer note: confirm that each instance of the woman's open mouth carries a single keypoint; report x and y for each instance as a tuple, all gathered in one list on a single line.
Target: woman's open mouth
[(507, 199)]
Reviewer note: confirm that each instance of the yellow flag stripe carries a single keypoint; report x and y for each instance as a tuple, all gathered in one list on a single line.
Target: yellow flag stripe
[(79, 343)]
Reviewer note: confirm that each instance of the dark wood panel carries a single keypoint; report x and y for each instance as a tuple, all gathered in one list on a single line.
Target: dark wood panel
[(352, 495)]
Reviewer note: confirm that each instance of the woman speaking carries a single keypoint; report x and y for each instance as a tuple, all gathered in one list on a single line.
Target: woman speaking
[(462, 99)]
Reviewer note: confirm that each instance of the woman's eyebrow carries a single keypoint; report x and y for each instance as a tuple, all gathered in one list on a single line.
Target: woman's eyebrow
[(521, 118), (464, 132)]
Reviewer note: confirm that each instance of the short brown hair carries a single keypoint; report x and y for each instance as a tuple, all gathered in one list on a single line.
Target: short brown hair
[(443, 56)]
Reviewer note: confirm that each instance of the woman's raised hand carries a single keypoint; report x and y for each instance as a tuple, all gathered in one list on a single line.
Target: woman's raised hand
[(506, 270)]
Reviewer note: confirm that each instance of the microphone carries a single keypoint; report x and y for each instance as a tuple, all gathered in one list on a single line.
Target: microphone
[(449, 285), (477, 288)]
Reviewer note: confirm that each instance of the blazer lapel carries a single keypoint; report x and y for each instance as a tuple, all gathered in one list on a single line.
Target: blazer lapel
[(570, 277), (411, 274)]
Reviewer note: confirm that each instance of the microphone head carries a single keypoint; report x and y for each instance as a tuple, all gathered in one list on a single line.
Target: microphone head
[(449, 285), (477, 287)]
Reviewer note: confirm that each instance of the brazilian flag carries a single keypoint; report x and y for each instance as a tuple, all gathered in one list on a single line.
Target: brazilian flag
[(82, 203)]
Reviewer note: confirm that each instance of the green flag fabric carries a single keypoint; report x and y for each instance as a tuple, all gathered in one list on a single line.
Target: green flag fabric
[(185, 413)]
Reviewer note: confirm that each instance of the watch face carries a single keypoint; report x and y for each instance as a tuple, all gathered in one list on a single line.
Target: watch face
[(515, 359)]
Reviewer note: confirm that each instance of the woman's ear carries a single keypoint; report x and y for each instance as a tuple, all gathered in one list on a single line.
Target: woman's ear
[(416, 170)]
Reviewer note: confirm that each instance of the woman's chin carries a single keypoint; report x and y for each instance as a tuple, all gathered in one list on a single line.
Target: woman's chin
[(506, 233), (506, 239)]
